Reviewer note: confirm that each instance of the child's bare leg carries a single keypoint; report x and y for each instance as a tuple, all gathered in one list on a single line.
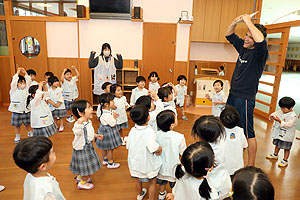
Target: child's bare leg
[(182, 111), (104, 153), (152, 184), (110, 155), (28, 128), (17, 131), (276, 151), (61, 122), (121, 133), (162, 188), (138, 186), (286, 154), (84, 178), (55, 121)]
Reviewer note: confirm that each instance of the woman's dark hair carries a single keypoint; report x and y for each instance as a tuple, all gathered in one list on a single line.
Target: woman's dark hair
[(21, 79), (105, 98), (139, 114), (104, 46), (153, 74), (164, 120), (208, 128), (68, 70), (286, 102), (197, 159), (230, 117), (114, 87), (252, 183), (262, 29), (218, 81), (79, 106), (31, 152), (164, 92), (32, 90), (52, 79), (145, 101), (180, 77)]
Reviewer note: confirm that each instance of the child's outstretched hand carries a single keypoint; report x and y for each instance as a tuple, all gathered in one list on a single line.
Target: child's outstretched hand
[(19, 70), (99, 137), (170, 196), (116, 115), (73, 67), (158, 151)]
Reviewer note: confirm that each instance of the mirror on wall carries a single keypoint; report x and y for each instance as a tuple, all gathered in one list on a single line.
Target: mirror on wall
[(29, 47)]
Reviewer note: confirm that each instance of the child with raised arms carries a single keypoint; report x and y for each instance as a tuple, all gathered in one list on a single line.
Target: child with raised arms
[(32, 75), (166, 96)]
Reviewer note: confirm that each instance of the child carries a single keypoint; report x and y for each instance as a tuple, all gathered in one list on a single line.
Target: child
[(235, 141), (55, 101), (173, 145), (120, 102), (41, 119), (70, 91), (193, 174), (181, 94), (210, 129), (32, 75), (140, 90), (37, 157), (153, 84), (166, 96), (18, 94), (173, 91), (141, 144), (284, 128), (85, 160), (106, 88), (47, 75), (218, 98), (107, 127), (221, 70)]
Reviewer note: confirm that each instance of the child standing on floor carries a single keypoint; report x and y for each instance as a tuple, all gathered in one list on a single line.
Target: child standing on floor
[(41, 119), (55, 100), (106, 88), (210, 129), (284, 128), (108, 129), (166, 96), (173, 145), (85, 160), (37, 157), (139, 91), (70, 90), (235, 141), (153, 84), (120, 102), (18, 95), (143, 164), (47, 75), (181, 94), (32, 75), (218, 98), (173, 91)]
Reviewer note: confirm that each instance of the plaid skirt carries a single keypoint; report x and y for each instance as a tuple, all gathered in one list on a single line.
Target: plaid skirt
[(68, 104), (17, 119), (111, 137), (86, 161), (123, 125), (282, 144), (45, 131), (59, 113)]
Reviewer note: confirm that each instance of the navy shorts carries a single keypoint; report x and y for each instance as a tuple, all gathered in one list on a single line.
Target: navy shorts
[(245, 108)]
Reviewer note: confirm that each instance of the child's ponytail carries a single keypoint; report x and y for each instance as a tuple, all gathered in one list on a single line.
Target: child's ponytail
[(204, 189), (103, 99), (32, 90), (179, 171)]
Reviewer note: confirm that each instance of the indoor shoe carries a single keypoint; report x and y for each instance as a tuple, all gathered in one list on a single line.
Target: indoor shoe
[(61, 129), (162, 196), (184, 118), (283, 163), (141, 196), (113, 165), (17, 140), (86, 186), (77, 179), (272, 156)]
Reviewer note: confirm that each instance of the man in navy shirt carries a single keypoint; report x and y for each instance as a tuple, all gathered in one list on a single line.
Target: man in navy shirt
[(253, 54)]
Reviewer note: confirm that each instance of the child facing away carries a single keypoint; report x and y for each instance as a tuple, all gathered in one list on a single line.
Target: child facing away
[(284, 128), (32, 75), (47, 75), (173, 145), (153, 81), (56, 104), (144, 161), (166, 96), (18, 95), (85, 160), (221, 71), (70, 90), (121, 104), (181, 94), (36, 156), (108, 128), (139, 91), (106, 88), (41, 119), (218, 98), (193, 174), (235, 140), (210, 129)]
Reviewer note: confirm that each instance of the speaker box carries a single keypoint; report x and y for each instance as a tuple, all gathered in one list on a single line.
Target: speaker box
[(136, 12), (81, 11)]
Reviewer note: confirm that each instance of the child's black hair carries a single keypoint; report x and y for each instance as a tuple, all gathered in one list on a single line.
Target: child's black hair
[(286, 102), (114, 87), (153, 74), (163, 93), (104, 85), (49, 74), (21, 79), (145, 101), (222, 67), (32, 152), (31, 91), (197, 159), (165, 86), (31, 72), (52, 79), (139, 115), (79, 106), (164, 120), (230, 117), (252, 183), (180, 77), (208, 128), (68, 70), (105, 98), (104, 46), (219, 81), (140, 78)]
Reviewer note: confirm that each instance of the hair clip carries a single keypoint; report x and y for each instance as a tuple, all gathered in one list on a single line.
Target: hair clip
[(207, 169), (182, 168), (78, 110)]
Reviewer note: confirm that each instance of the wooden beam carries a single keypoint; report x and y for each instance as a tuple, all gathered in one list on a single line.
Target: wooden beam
[(265, 93), (266, 83), (262, 102), (48, 19), (261, 113), (274, 52), (283, 25), (269, 73)]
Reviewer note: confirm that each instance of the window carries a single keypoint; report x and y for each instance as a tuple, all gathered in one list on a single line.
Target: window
[(3, 39)]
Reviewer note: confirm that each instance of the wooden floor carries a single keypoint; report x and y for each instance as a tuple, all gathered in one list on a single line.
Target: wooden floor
[(116, 184)]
